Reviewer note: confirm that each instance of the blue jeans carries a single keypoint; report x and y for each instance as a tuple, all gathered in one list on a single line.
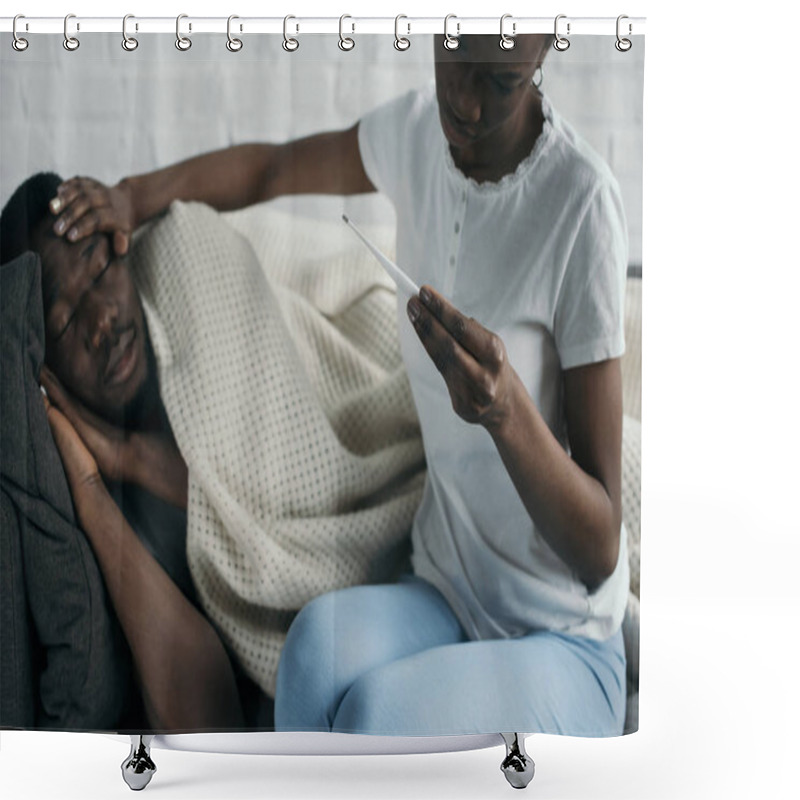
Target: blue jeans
[(394, 660)]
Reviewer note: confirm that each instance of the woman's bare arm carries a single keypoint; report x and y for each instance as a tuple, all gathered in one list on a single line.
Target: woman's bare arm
[(238, 176), (574, 499)]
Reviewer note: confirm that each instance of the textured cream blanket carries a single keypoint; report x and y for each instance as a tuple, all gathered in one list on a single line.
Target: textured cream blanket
[(280, 372)]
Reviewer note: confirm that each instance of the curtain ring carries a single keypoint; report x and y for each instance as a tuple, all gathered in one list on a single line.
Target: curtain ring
[(345, 42), (129, 43), (183, 43), (233, 44), (289, 44), (623, 45), (19, 44), (70, 42), (451, 42), (507, 42), (561, 43), (401, 42)]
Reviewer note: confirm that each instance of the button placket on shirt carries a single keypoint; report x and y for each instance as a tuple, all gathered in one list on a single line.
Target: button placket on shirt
[(455, 244)]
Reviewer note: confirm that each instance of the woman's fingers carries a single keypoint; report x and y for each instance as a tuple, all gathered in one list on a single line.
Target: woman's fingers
[(445, 350), (85, 206), (473, 386), (65, 194), (83, 215), (69, 191), (91, 220), (121, 242), (72, 207), (468, 332)]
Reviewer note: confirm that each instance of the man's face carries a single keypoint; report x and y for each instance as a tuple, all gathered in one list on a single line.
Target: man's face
[(95, 333), (484, 92)]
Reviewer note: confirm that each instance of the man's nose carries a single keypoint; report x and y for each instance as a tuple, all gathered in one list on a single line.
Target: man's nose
[(102, 318)]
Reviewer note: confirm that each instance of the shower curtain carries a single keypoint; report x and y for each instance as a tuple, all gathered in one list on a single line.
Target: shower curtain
[(304, 488)]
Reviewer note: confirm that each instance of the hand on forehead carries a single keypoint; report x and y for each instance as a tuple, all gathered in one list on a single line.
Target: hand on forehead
[(63, 260)]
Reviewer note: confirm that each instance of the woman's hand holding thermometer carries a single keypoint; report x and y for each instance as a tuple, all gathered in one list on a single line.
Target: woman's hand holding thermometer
[(471, 359), (484, 388)]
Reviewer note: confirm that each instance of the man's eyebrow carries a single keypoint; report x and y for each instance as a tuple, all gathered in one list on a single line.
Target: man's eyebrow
[(90, 248), (52, 295)]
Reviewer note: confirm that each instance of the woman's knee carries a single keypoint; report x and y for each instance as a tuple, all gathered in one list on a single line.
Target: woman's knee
[(370, 706), (305, 682)]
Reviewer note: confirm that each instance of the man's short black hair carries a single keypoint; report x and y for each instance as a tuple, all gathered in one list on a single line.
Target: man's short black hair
[(28, 206)]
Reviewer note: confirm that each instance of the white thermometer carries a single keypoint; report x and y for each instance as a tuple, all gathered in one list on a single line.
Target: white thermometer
[(395, 273)]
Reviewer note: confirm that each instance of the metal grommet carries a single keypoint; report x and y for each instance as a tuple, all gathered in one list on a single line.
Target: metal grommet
[(623, 45), (400, 42), (289, 44), (507, 42), (129, 43), (451, 42), (345, 42), (233, 44), (70, 42), (18, 43), (561, 43), (183, 43)]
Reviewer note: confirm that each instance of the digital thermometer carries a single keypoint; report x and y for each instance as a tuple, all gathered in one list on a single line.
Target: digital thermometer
[(395, 273)]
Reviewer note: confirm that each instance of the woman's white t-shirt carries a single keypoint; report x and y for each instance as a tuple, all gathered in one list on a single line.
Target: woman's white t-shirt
[(539, 258)]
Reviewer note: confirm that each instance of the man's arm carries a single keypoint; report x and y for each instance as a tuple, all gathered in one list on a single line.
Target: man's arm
[(187, 679), (325, 163)]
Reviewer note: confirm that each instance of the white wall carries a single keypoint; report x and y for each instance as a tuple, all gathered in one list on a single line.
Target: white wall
[(103, 112)]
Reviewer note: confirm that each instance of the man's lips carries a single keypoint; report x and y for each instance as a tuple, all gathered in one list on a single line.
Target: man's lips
[(122, 358)]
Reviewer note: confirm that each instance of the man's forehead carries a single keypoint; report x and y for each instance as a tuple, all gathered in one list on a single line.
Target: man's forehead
[(59, 254), (60, 260)]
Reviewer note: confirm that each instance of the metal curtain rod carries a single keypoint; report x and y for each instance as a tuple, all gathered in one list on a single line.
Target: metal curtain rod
[(330, 25)]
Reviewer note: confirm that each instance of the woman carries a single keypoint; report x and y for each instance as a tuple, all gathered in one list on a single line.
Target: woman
[(512, 617)]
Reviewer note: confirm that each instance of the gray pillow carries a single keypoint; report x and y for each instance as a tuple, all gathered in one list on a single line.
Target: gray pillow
[(78, 661)]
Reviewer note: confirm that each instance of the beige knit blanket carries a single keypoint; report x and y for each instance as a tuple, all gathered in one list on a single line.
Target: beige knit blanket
[(280, 371)]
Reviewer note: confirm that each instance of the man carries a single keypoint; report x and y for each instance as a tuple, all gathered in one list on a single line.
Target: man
[(109, 422), (103, 397)]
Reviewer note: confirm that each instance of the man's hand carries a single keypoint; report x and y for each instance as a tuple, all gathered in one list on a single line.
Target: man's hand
[(110, 447), (471, 359), (85, 206), (79, 464)]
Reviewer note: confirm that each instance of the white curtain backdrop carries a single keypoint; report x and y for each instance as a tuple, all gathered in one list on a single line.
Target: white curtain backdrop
[(103, 112)]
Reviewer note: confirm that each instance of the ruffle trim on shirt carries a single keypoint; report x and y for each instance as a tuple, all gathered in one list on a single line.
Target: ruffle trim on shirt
[(524, 166)]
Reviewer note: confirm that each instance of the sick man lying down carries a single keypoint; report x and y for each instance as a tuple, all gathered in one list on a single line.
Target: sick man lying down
[(195, 404)]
